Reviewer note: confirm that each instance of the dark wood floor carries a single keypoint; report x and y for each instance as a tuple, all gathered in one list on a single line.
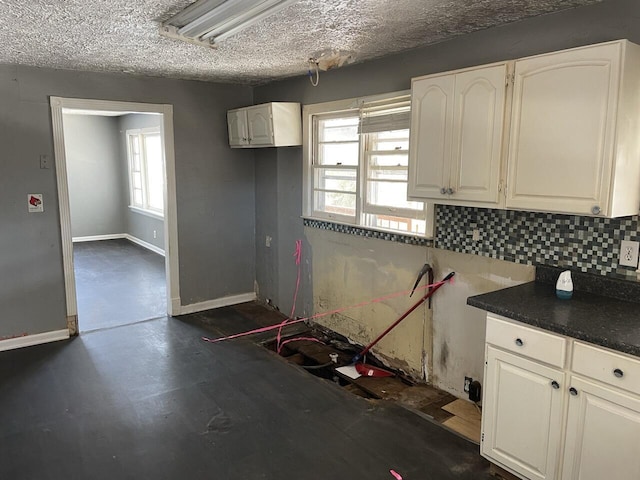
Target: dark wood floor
[(152, 400), (118, 282)]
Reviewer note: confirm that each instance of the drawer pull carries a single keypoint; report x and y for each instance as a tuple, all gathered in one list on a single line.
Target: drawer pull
[(519, 342), (618, 373), (555, 385), (573, 391)]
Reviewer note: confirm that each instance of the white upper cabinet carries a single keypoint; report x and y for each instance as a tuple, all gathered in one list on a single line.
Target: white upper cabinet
[(574, 140), (457, 121), (275, 124)]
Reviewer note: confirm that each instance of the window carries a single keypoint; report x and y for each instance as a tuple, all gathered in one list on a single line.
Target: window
[(357, 164), (146, 170)]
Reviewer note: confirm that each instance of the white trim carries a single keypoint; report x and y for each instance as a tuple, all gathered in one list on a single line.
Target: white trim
[(147, 213), (217, 303), (96, 238), (170, 223), (118, 236), (147, 245), (37, 339)]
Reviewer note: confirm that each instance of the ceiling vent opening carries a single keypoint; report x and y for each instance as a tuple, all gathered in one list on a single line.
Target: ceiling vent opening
[(208, 22)]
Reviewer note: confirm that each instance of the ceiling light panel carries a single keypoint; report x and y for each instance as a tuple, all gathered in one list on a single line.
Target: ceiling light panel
[(211, 21)]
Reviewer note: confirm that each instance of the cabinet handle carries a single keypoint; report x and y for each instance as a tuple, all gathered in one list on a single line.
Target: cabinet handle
[(596, 210), (519, 342), (443, 191), (618, 373), (573, 391), (451, 191), (555, 385)]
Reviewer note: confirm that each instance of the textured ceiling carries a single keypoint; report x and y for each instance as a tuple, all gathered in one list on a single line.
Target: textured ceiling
[(122, 35)]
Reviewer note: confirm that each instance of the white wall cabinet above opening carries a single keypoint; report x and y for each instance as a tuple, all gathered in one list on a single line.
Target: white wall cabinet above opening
[(575, 132), (275, 124), (457, 122)]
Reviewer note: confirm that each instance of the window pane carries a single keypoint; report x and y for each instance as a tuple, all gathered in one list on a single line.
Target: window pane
[(135, 163), (137, 198), (390, 194), (135, 144), (155, 172), (339, 203), (391, 145), (136, 178), (341, 179), (391, 222), (338, 154), (388, 174), (401, 160), (338, 129)]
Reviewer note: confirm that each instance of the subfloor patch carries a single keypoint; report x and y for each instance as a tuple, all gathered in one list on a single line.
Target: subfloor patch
[(331, 351)]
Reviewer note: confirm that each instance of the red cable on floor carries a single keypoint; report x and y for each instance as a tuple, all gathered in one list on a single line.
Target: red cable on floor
[(320, 315)]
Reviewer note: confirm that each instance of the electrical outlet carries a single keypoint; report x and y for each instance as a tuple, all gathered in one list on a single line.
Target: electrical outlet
[(155, 234), (267, 241), (629, 253), (467, 382), (475, 235)]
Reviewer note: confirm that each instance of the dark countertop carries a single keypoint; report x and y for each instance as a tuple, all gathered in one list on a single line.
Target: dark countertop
[(604, 321)]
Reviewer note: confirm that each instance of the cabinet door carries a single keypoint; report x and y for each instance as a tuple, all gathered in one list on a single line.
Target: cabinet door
[(562, 130), (522, 414), (430, 138), (603, 433), (477, 133), (260, 125), (237, 125)]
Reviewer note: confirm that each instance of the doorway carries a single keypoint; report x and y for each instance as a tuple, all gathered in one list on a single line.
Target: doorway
[(167, 229)]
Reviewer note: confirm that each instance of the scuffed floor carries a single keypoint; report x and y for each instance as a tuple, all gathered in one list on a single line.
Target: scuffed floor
[(152, 400)]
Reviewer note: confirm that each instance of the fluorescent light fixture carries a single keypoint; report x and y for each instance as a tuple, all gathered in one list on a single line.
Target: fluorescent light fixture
[(211, 21)]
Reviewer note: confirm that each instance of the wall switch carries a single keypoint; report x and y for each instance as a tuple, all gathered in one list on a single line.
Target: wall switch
[(267, 241), (45, 161), (629, 253)]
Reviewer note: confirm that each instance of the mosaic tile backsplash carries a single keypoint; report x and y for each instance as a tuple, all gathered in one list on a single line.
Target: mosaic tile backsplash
[(583, 243), (586, 244)]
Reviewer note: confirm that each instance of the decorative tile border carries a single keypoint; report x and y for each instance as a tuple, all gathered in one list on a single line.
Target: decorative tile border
[(584, 243), (365, 232)]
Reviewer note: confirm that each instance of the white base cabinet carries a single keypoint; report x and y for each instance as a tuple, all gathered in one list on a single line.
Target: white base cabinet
[(275, 124), (558, 408)]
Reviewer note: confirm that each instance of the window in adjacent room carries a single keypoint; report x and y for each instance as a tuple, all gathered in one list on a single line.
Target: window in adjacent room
[(146, 170), (357, 164)]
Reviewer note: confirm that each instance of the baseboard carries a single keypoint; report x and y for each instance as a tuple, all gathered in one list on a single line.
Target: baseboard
[(142, 243), (95, 238), (37, 339), (217, 303), (117, 236)]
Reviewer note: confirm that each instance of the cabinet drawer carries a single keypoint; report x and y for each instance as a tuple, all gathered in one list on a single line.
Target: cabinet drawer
[(526, 341), (609, 367)]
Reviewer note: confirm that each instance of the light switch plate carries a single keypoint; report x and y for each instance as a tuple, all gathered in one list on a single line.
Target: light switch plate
[(629, 253)]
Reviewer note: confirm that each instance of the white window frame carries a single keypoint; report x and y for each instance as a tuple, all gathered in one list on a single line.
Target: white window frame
[(143, 208), (339, 109)]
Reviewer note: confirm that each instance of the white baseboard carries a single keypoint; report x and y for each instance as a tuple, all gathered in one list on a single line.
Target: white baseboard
[(144, 244), (95, 238), (217, 303), (37, 339), (117, 236)]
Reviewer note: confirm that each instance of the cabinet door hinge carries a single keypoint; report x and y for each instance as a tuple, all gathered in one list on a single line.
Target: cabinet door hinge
[(482, 437), (511, 78)]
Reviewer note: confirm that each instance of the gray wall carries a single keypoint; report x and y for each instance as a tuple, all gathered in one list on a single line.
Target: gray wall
[(137, 224), (454, 332), (278, 214), (95, 170), (215, 190)]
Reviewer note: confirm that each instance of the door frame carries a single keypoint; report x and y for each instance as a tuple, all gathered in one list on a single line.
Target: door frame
[(170, 211)]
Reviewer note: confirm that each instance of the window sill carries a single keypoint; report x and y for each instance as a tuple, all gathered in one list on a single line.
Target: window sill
[(147, 213), (369, 232)]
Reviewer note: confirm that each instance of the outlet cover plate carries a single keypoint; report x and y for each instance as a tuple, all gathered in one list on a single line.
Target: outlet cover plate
[(629, 253)]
